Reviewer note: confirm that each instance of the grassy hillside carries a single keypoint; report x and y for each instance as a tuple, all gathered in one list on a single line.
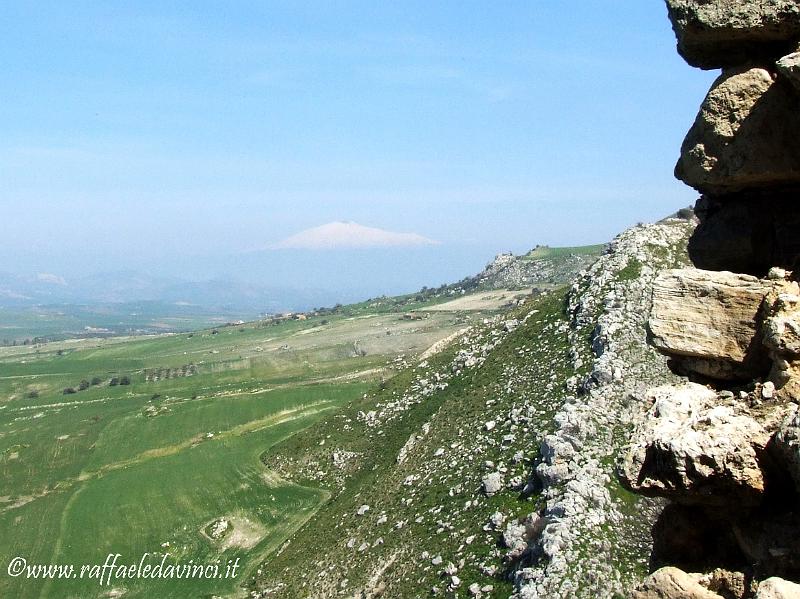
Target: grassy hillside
[(134, 445), (419, 509), (185, 444)]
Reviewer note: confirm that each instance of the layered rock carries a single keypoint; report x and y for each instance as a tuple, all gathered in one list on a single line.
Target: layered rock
[(727, 455), (723, 33), (745, 136), (709, 322)]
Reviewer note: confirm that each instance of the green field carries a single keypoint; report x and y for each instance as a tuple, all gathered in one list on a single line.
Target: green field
[(52, 322), (162, 439)]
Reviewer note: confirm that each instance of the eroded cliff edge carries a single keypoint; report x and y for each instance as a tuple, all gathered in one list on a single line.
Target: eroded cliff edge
[(723, 445)]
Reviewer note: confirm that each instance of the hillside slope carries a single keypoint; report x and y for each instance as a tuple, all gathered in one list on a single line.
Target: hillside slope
[(487, 469)]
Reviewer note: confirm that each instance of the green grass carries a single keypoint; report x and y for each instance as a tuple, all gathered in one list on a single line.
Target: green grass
[(376, 479), (127, 468), (546, 252)]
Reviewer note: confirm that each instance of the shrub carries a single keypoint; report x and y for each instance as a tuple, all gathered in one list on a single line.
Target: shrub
[(69, 391)]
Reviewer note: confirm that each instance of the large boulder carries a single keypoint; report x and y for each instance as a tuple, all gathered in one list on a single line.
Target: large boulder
[(709, 322), (724, 33), (672, 583), (695, 447), (745, 136), (789, 67), (777, 588)]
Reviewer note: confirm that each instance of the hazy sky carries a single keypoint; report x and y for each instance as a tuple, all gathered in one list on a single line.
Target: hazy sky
[(133, 131)]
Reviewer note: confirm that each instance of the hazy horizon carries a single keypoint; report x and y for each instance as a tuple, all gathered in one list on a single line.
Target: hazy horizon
[(179, 141)]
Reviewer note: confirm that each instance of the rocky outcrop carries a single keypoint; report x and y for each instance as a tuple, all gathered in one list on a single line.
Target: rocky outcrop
[(722, 326), (723, 33), (741, 152), (744, 136), (726, 453), (789, 67), (672, 583), (699, 448), (709, 322), (776, 588), (747, 232)]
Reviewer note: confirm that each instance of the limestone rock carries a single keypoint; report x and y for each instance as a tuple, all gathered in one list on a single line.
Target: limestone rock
[(709, 321), (492, 483), (777, 588), (785, 447), (723, 33), (782, 326), (747, 233), (733, 585), (789, 67), (672, 583), (693, 449), (744, 137), (782, 338)]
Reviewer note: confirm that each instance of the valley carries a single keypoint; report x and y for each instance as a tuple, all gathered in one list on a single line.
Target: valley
[(156, 444)]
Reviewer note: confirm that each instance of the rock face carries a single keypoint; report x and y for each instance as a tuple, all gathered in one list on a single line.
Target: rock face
[(789, 67), (745, 135), (709, 322), (694, 448), (672, 583), (723, 33), (776, 588), (727, 456), (748, 232), (786, 446)]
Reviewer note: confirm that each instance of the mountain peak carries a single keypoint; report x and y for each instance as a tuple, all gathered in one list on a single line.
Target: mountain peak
[(350, 235)]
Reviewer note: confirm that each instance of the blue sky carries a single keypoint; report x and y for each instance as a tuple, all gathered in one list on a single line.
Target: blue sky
[(131, 132)]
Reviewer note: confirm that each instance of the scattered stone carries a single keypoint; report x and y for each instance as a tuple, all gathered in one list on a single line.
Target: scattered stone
[(492, 483)]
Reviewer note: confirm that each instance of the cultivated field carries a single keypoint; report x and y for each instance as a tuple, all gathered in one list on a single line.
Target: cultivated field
[(155, 445)]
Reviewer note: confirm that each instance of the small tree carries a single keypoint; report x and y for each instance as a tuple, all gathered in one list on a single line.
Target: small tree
[(125, 380)]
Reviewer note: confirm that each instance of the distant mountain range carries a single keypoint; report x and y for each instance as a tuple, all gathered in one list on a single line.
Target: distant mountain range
[(267, 280), (133, 286)]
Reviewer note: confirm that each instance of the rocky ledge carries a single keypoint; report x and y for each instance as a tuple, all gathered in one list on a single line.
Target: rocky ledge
[(722, 447)]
